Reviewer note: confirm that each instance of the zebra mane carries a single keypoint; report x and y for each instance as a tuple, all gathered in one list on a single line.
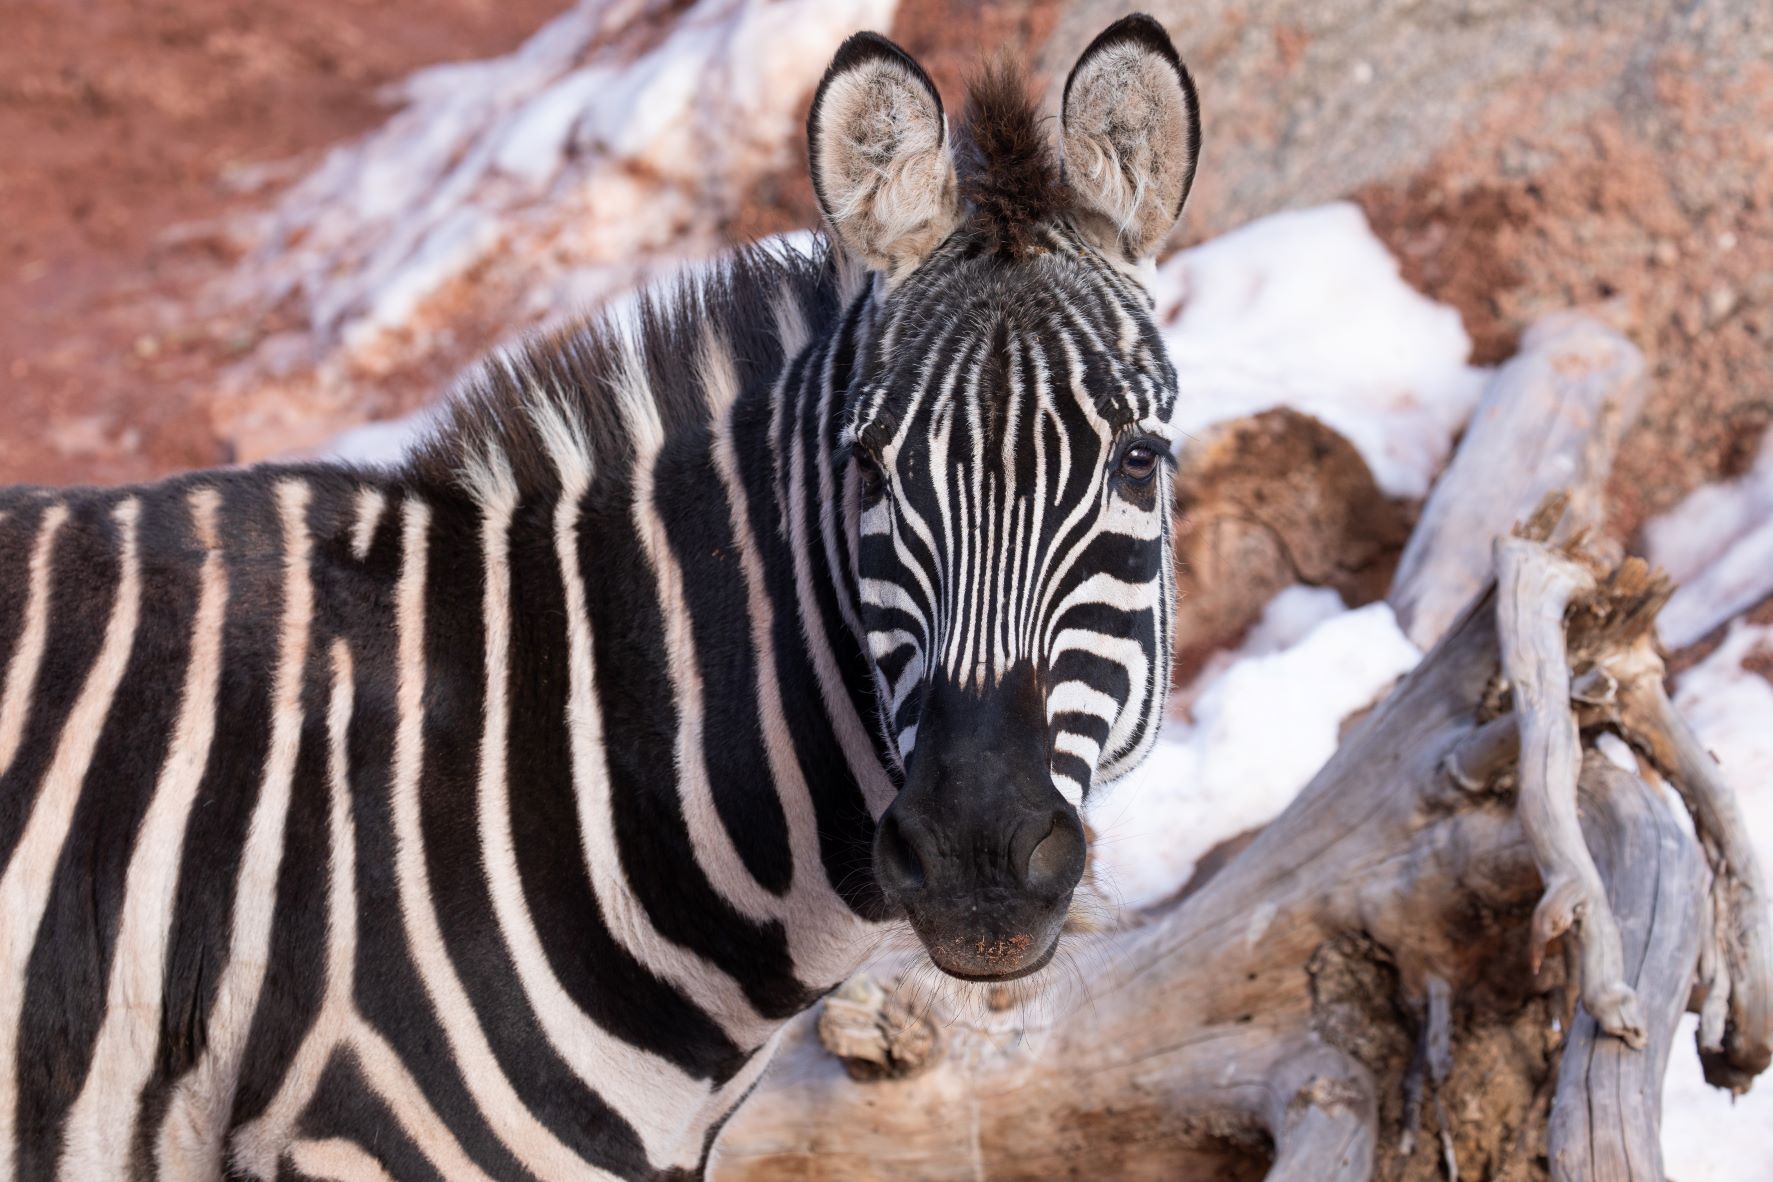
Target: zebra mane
[(594, 393)]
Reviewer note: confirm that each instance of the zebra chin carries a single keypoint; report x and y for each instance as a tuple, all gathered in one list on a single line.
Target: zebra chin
[(979, 850), (1010, 953)]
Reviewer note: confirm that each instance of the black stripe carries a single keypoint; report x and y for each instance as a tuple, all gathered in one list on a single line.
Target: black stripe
[(18, 538), (640, 725), (845, 827), (69, 970), (692, 502), (389, 994), (295, 973), (82, 588), (618, 992), (455, 640), (818, 437), (202, 918), (1098, 672), (345, 1106)]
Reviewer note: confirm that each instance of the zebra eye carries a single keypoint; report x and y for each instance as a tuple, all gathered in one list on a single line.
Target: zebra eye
[(870, 478), (1138, 463)]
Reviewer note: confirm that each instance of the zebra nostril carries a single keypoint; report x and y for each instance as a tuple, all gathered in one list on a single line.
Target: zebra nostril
[(896, 861), (1056, 863)]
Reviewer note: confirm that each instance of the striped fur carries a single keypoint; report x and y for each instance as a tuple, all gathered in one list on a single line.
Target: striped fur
[(487, 818)]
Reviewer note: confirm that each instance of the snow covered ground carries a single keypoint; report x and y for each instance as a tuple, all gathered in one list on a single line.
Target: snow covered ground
[(1306, 309), (599, 154), (1305, 667)]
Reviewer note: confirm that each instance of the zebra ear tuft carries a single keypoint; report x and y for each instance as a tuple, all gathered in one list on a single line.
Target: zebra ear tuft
[(881, 163), (1130, 136)]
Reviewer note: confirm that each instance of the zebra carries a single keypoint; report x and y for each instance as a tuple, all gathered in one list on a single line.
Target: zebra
[(488, 815)]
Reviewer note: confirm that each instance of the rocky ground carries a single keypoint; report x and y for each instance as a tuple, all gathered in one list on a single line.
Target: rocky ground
[(133, 132)]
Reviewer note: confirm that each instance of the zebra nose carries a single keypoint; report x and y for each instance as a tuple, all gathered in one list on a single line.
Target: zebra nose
[(897, 865), (1057, 861)]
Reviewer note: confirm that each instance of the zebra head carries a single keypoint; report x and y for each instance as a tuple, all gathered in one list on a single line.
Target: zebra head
[(1007, 465)]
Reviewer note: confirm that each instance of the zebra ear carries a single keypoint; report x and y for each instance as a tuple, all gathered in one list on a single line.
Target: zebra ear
[(881, 164), (1130, 136)]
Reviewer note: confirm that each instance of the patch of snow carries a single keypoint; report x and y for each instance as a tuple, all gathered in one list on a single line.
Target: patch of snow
[(1705, 1136), (1306, 309), (1307, 666), (538, 134), (1730, 706)]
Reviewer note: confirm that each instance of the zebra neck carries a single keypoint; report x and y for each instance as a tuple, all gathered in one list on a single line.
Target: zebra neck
[(776, 451)]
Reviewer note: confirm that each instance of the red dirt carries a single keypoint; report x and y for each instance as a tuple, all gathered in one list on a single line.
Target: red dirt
[(132, 130), (1673, 240)]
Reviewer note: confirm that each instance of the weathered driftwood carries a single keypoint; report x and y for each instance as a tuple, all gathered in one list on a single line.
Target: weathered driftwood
[(1740, 578), (1736, 1012), (1364, 990), (1534, 588), (1655, 882), (1352, 996), (1552, 418), (1718, 545)]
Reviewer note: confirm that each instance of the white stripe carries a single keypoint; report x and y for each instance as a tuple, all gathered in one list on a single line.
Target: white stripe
[(1129, 655), (1027, 593), (336, 1160), (623, 914), (710, 843), (716, 370), (655, 1097), (528, 1139), (258, 1144), (25, 886), (1076, 697), (370, 504), (1082, 746), (826, 939), (191, 1137), (101, 1124), (1068, 788), (852, 733), (1109, 591), (387, 1076), (21, 674)]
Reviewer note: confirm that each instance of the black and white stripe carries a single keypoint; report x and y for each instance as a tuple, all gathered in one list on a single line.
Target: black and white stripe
[(487, 818)]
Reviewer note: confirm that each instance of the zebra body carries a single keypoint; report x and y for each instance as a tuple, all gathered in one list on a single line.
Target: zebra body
[(488, 817)]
